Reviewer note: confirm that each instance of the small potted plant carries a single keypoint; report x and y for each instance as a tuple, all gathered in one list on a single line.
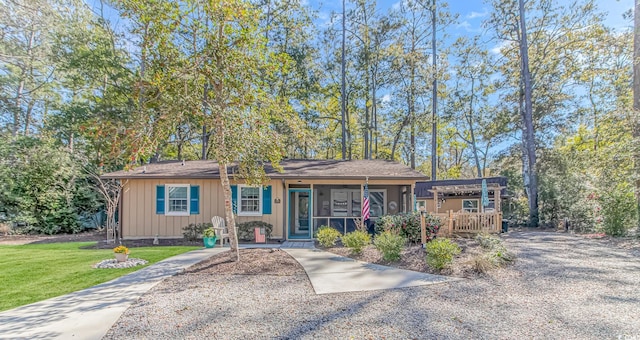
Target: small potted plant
[(121, 252), (209, 237)]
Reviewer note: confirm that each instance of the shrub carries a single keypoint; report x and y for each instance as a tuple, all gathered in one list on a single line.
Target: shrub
[(487, 241), (356, 240), (440, 253), (618, 210), (390, 245), (194, 231), (407, 225), (245, 230), (495, 253), (43, 188), (327, 236), (482, 263)]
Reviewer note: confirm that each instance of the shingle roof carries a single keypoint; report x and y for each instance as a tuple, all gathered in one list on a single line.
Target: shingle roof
[(422, 188), (327, 169)]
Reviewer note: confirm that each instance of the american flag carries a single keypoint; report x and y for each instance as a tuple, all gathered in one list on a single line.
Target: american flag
[(365, 204)]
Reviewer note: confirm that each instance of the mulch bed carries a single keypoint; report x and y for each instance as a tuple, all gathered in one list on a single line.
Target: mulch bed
[(261, 261)]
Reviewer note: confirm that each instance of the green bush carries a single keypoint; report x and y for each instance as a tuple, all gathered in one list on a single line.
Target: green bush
[(245, 230), (356, 240), (43, 187), (495, 252), (487, 241), (407, 225), (194, 231), (618, 210), (440, 253), (327, 236), (390, 245)]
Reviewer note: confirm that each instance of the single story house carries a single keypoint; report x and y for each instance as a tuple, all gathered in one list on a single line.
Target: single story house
[(460, 195), (162, 198)]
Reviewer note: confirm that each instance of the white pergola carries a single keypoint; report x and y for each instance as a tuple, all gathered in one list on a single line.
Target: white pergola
[(467, 189)]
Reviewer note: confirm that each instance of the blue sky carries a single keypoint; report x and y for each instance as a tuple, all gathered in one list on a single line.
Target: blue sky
[(472, 12)]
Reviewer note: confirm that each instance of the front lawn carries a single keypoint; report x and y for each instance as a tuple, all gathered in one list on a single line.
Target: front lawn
[(35, 272)]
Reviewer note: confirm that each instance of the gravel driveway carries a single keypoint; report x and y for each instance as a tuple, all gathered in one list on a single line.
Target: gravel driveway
[(561, 286)]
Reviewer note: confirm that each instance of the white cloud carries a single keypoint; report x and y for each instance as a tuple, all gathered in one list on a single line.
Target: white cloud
[(465, 24), (386, 98), (324, 19), (496, 49), (468, 27), (474, 14)]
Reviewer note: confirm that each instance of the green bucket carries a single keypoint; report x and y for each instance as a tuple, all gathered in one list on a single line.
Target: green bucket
[(209, 242)]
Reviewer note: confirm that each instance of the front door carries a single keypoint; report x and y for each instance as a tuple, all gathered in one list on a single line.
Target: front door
[(299, 213)]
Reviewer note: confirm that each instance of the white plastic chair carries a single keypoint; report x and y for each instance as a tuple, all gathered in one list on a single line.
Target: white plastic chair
[(220, 228)]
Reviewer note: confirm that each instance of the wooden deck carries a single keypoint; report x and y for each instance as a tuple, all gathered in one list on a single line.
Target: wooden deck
[(460, 223)]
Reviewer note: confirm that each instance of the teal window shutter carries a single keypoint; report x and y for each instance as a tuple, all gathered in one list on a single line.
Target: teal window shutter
[(195, 200), (266, 200), (234, 198), (160, 199)]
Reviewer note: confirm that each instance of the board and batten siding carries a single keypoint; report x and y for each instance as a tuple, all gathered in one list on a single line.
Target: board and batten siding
[(139, 218)]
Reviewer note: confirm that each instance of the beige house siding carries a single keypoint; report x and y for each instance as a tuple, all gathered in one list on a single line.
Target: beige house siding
[(139, 218), (454, 204)]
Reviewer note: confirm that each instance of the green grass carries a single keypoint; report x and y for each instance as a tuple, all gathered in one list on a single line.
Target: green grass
[(35, 272)]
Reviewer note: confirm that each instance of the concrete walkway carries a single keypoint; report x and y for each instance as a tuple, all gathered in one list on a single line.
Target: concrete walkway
[(89, 313), (331, 273)]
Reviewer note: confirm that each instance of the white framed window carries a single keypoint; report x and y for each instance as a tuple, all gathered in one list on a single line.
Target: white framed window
[(177, 203), (491, 207), (470, 205), (378, 202), (249, 200)]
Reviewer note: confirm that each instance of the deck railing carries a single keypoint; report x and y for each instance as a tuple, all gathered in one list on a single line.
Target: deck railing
[(454, 223)]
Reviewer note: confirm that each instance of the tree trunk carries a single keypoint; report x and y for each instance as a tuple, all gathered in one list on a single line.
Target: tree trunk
[(228, 208), (412, 107), (27, 116), (412, 120), (434, 123), (636, 102), (528, 122), (20, 90), (205, 136), (374, 133), (16, 111), (343, 102), (473, 135), (373, 111)]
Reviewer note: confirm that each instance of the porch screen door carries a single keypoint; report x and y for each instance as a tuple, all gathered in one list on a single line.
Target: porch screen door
[(300, 213)]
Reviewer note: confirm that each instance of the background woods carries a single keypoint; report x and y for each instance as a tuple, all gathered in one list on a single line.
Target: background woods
[(88, 87)]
